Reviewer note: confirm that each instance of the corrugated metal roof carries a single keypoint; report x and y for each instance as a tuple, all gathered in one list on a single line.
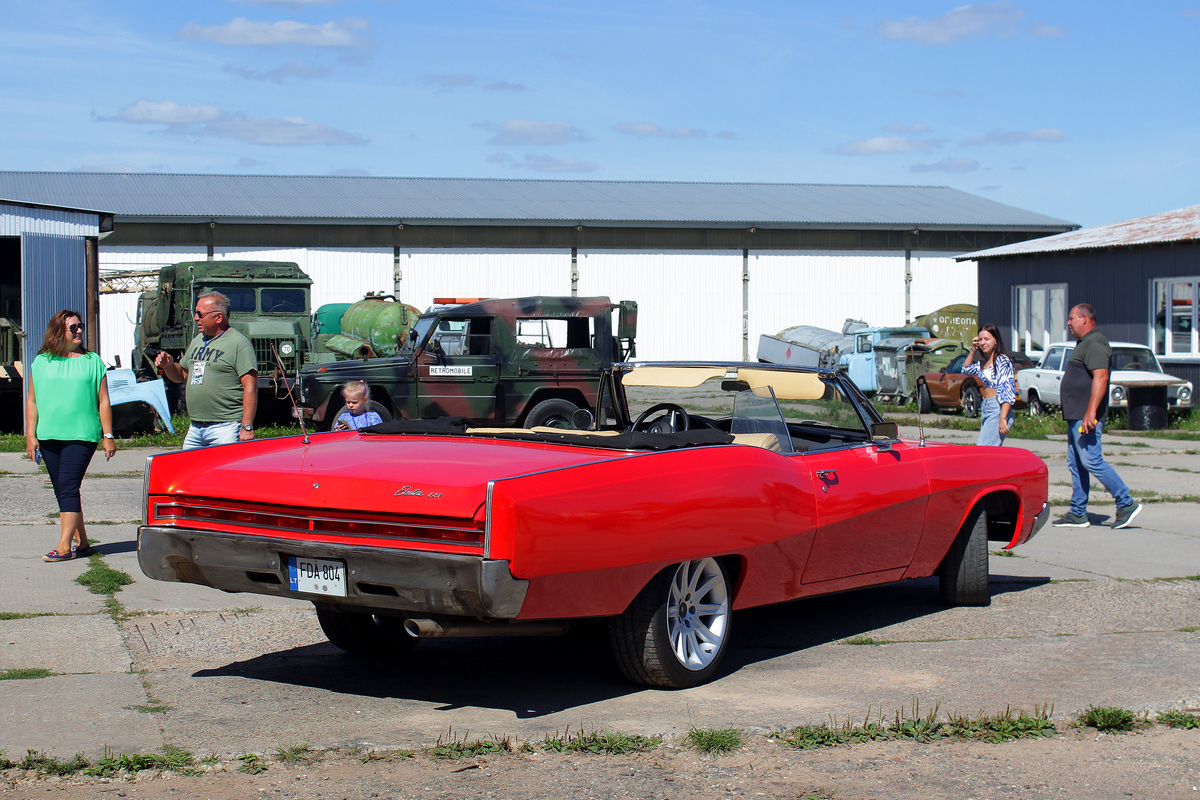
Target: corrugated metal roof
[(311, 199), (1182, 225)]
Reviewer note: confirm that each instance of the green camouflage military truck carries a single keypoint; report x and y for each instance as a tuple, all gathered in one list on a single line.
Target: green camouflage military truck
[(269, 304), (526, 361)]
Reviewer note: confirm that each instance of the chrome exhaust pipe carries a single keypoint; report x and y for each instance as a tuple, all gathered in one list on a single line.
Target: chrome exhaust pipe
[(433, 629)]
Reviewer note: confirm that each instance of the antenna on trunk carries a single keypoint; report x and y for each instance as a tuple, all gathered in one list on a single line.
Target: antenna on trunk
[(291, 399)]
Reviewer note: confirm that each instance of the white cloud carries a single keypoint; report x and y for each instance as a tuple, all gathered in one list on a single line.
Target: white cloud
[(244, 32), (1001, 18), (504, 86), (947, 165), (1016, 137), (919, 127), (543, 163), (280, 74), (878, 145), (650, 129), (210, 120), (526, 132), (447, 82), (288, 131), (726, 135), (165, 113)]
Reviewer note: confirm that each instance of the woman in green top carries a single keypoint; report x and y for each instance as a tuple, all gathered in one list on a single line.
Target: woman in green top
[(66, 413)]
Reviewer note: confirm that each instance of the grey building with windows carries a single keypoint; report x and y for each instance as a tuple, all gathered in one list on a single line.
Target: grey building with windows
[(1142, 276)]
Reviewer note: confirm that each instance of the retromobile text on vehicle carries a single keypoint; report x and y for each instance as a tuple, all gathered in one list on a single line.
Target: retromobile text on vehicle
[(691, 491)]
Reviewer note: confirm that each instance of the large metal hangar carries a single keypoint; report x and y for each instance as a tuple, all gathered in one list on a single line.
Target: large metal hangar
[(711, 265)]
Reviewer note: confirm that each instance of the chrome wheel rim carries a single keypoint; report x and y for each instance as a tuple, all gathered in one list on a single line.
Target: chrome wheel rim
[(698, 613)]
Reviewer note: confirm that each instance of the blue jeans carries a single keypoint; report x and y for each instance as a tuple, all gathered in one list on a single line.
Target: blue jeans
[(206, 434), (989, 424), (1085, 458)]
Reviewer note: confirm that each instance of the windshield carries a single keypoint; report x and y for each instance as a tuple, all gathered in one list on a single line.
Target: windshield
[(1134, 358), (793, 406), (417, 334)]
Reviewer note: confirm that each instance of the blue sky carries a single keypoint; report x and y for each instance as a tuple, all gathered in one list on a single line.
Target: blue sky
[(1086, 111)]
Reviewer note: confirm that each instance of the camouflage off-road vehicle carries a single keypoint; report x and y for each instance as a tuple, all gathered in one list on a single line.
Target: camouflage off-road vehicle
[(526, 361)]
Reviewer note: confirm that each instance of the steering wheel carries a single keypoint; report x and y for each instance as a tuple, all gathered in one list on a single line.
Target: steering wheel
[(280, 307), (677, 418), (1134, 365)]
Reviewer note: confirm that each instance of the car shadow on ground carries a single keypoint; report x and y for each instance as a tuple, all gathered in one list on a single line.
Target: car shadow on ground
[(534, 677)]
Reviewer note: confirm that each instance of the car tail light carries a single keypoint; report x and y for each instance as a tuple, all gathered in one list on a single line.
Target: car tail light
[(182, 512)]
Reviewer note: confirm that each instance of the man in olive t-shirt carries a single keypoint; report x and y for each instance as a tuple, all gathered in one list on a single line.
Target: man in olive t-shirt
[(220, 372), (1084, 397)]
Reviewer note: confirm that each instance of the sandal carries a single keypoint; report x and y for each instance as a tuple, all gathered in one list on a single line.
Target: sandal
[(53, 556), (81, 552)]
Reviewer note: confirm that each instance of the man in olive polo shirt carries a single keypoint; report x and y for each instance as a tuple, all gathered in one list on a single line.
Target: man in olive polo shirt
[(221, 376), (1084, 395)]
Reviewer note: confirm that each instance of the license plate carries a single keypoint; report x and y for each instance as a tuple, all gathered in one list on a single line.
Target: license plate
[(316, 576)]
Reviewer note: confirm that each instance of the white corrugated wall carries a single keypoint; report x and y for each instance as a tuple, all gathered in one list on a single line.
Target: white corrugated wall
[(118, 312), (426, 273), (939, 280), (825, 288), (339, 275), (689, 304)]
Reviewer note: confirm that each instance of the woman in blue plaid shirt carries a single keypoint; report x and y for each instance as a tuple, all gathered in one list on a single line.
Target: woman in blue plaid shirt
[(989, 362)]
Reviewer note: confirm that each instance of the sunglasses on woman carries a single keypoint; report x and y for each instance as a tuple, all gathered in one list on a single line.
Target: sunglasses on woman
[(76, 328)]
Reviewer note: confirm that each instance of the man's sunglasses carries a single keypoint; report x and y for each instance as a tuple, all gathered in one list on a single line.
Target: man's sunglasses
[(203, 314), (76, 328)]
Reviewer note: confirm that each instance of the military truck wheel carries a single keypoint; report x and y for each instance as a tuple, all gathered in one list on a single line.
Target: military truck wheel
[(552, 413), (373, 405)]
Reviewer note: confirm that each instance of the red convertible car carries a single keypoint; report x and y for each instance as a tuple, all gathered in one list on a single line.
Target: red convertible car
[(696, 490)]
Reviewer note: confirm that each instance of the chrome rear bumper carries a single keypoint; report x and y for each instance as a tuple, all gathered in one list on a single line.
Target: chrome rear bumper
[(376, 578)]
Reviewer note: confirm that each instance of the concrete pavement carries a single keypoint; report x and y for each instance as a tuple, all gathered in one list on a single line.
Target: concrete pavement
[(236, 673)]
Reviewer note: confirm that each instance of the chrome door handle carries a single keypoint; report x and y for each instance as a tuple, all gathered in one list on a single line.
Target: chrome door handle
[(826, 473)]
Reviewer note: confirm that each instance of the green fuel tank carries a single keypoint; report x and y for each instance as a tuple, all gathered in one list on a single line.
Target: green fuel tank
[(372, 327)]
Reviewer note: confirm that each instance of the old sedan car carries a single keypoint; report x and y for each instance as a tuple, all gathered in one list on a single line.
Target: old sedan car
[(953, 388), (1132, 365), (695, 491)]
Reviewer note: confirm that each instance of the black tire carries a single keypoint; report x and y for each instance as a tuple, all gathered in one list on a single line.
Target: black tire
[(964, 571), (663, 639), (1036, 407), (365, 634), (372, 405), (553, 413), (972, 401), (924, 401)]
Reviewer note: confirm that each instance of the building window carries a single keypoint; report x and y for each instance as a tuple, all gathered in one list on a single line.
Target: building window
[(1175, 311), (1039, 318)]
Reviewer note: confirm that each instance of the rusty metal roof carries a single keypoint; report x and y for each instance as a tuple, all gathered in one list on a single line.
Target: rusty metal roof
[(155, 197), (1182, 225)]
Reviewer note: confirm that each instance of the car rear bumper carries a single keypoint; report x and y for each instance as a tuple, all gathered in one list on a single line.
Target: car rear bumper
[(376, 578)]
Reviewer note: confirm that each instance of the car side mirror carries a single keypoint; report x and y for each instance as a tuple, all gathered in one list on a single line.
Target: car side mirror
[(583, 419), (883, 433)]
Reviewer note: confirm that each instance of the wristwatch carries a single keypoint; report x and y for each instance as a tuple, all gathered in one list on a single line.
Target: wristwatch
[(247, 427), (109, 436)]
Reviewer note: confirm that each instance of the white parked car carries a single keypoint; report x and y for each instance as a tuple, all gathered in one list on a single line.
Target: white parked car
[(1132, 364)]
